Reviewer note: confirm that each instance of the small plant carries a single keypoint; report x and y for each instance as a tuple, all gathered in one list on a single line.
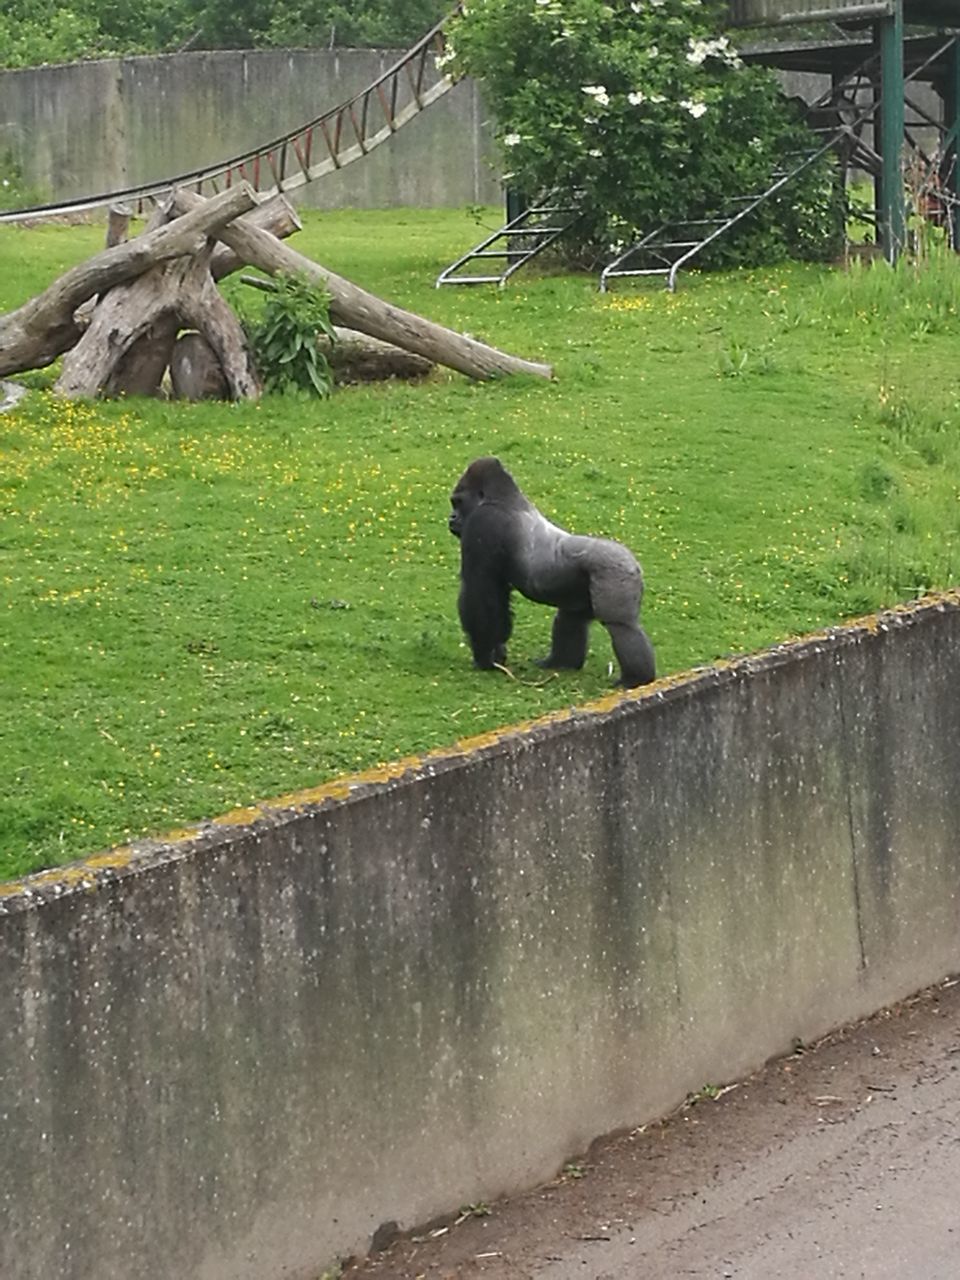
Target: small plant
[(708, 1092), (733, 360), (284, 338)]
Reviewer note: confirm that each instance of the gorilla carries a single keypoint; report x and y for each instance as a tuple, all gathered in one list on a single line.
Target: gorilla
[(506, 544)]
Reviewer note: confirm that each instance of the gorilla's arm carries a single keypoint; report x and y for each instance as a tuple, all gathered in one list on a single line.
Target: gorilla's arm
[(484, 601)]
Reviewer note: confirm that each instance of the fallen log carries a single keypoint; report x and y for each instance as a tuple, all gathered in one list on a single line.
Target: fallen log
[(43, 328), (356, 309), (277, 215), (184, 289), (139, 372), (356, 357)]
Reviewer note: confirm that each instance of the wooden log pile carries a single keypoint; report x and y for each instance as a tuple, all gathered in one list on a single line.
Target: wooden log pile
[(145, 312)]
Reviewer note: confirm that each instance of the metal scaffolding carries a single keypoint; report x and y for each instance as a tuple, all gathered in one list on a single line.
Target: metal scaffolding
[(912, 41)]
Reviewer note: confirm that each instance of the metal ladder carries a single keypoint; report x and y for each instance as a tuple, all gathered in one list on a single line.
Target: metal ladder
[(518, 240), (667, 249)]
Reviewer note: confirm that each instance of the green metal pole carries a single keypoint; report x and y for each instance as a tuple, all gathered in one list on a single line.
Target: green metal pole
[(893, 223), (951, 139)]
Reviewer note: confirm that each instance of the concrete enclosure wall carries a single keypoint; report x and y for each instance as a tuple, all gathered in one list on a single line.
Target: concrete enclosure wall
[(234, 1056), (88, 127)]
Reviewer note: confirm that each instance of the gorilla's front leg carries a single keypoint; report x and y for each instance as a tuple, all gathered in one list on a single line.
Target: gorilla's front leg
[(569, 647), (485, 614), (634, 653)]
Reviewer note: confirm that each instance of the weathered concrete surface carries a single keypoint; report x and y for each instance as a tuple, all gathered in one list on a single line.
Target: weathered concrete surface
[(838, 1161), (88, 127), (238, 1054)]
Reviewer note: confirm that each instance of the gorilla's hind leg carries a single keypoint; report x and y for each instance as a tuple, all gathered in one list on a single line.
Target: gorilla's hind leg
[(569, 647), (634, 653)]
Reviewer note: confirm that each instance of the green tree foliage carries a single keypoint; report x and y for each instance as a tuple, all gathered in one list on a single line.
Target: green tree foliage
[(38, 31), (642, 113), (353, 23)]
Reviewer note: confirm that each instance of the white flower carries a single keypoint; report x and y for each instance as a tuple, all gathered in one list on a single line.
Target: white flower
[(442, 59), (595, 153), (636, 98), (598, 93), (653, 52), (699, 50), (658, 97), (634, 6), (658, 4), (696, 109), (511, 140), (542, 3)]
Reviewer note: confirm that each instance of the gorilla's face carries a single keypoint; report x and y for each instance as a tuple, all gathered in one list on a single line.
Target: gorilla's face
[(464, 501)]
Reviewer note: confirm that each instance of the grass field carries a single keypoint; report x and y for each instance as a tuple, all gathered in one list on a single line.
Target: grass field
[(203, 606)]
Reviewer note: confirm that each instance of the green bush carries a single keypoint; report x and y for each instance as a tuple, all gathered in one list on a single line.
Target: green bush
[(284, 337), (642, 114)]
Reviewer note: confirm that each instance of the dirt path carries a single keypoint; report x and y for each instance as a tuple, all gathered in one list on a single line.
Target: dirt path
[(842, 1161)]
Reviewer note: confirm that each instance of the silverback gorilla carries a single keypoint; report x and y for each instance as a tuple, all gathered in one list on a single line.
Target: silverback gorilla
[(506, 543)]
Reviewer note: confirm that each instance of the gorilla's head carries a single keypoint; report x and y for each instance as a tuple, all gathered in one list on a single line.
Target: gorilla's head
[(485, 480)]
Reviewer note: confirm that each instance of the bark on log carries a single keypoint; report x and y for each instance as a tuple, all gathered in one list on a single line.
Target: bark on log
[(278, 216), (118, 224), (43, 328), (140, 371), (195, 371), (356, 357), (357, 309), (182, 289)]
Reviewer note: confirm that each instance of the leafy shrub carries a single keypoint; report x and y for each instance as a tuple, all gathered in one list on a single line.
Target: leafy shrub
[(284, 337), (35, 33), (642, 114)]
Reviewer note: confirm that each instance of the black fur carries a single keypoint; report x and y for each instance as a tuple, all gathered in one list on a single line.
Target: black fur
[(506, 544)]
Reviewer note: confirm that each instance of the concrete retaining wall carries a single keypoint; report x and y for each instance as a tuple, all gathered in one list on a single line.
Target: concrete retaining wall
[(88, 127), (233, 1056)]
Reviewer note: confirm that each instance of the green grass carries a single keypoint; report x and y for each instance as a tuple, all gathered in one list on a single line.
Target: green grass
[(204, 606)]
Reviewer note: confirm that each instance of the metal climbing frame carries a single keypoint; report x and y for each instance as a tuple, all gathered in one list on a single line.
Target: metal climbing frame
[(666, 250), (341, 135), (518, 240), (673, 245)]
